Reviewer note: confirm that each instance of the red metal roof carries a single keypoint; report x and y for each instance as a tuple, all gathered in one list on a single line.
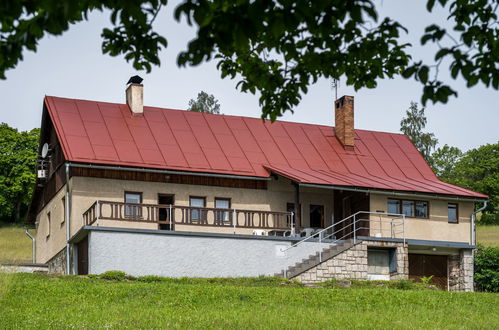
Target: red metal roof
[(106, 133)]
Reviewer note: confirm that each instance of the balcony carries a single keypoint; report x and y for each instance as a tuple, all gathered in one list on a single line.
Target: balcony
[(171, 217)]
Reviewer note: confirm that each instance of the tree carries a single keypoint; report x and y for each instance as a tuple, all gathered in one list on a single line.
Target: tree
[(413, 126), (18, 155), (443, 162), (478, 170), (205, 103), (277, 48)]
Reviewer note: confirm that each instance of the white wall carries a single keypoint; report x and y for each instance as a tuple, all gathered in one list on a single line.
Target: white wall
[(177, 255)]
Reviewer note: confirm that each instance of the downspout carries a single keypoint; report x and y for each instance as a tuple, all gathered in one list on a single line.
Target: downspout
[(33, 242), (68, 222), (472, 222)]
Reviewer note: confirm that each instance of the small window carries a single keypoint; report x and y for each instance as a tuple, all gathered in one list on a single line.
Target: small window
[(394, 206), (131, 210), (48, 224), (452, 212), (222, 203), (63, 218), (421, 209), (197, 202), (408, 208)]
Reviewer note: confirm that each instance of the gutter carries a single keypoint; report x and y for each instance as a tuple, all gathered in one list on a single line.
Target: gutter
[(149, 170), (68, 222), (33, 242), (393, 193), (472, 222)]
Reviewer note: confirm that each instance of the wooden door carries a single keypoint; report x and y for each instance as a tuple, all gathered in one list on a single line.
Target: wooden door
[(83, 256), (164, 212), (423, 265), (317, 216)]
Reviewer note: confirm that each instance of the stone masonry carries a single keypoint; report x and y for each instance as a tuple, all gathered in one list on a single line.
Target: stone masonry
[(57, 265), (352, 264), (461, 271)]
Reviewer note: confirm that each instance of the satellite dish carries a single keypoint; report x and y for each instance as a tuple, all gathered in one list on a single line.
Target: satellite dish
[(45, 150)]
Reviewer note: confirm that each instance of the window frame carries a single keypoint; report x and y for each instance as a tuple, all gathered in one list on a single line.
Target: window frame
[(457, 213), (202, 217), (223, 216), (49, 221), (138, 214), (63, 200), (414, 201)]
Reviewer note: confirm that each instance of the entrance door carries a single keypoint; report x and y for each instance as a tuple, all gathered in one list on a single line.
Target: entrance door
[(165, 200), (422, 265), (83, 256), (317, 216)]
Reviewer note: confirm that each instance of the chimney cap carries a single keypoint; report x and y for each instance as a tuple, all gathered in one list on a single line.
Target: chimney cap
[(135, 80)]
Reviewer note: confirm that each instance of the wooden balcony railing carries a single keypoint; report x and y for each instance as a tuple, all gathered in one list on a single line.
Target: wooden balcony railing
[(186, 215)]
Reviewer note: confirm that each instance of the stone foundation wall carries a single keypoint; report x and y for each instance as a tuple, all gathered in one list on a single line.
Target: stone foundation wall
[(461, 271), (352, 264), (57, 265)]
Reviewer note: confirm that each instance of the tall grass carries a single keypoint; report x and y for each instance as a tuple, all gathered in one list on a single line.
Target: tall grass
[(487, 235), (15, 246)]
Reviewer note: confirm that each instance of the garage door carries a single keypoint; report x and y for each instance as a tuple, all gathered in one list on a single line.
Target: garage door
[(423, 265)]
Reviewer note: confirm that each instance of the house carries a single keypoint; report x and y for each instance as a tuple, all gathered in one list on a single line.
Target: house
[(176, 193)]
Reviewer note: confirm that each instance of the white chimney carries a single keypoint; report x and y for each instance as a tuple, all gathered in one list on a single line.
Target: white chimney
[(135, 98)]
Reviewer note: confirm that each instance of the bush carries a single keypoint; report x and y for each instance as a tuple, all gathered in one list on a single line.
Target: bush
[(115, 275), (487, 268), (489, 219)]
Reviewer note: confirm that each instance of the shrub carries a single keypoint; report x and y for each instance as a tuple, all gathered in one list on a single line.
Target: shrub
[(114, 275), (487, 268)]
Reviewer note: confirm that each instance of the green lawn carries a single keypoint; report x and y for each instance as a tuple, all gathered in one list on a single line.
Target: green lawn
[(15, 246), (42, 302), (487, 235)]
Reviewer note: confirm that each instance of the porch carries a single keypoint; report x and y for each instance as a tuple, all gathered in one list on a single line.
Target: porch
[(189, 218)]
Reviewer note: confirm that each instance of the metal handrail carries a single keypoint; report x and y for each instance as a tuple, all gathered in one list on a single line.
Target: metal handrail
[(319, 233)]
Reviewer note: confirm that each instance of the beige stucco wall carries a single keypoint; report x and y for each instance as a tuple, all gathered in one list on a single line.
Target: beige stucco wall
[(86, 191), (436, 227), (48, 246)]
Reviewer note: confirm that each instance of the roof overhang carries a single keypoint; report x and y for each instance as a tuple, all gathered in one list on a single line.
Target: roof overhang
[(396, 193)]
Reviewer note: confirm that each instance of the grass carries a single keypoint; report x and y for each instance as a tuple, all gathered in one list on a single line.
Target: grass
[(487, 235), (15, 246), (42, 302)]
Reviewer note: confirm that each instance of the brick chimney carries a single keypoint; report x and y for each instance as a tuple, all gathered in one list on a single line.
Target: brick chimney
[(344, 127), (135, 98)]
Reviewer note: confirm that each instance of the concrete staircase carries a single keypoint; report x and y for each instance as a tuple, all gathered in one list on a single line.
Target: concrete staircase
[(315, 259)]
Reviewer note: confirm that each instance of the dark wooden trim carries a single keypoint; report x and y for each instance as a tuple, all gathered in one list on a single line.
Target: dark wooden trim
[(168, 178), (297, 212), (169, 195), (457, 213)]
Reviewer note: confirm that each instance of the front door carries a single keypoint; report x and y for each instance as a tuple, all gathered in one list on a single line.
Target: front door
[(317, 216), (82, 250), (165, 200), (422, 265)]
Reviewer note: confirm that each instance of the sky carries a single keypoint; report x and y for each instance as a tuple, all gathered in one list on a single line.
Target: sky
[(73, 66)]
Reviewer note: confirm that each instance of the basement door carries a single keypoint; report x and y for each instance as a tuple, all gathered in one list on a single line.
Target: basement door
[(83, 256), (424, 265)]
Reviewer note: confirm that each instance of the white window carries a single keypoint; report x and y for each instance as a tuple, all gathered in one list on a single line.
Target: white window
[(197, 214), (131, 210), (222, 203)]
